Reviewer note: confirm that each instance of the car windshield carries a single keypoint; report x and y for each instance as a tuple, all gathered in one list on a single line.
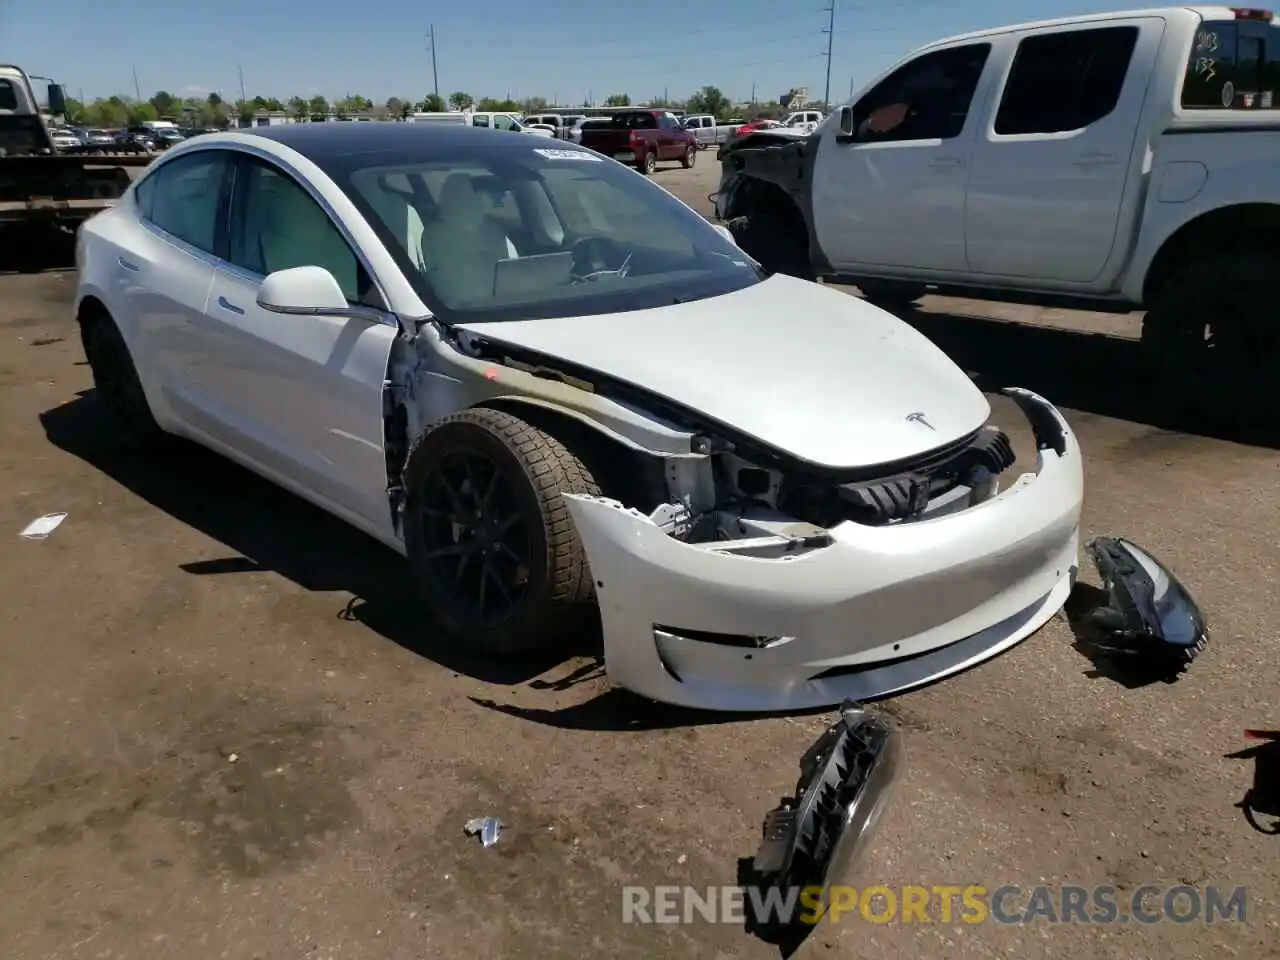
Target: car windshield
[(503, 234)]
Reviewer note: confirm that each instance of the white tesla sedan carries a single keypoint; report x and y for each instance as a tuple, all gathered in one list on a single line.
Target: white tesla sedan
[(556, 389)]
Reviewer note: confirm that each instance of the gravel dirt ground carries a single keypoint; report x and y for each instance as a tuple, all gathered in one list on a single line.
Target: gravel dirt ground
[(225, 734)]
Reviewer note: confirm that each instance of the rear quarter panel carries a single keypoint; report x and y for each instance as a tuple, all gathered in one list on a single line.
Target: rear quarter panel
[(1197, 169)]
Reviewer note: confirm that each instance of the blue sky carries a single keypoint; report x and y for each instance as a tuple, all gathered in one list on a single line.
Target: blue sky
[(565, 49)]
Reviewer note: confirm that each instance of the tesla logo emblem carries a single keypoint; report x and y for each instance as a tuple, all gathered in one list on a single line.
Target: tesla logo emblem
[(919, 418)]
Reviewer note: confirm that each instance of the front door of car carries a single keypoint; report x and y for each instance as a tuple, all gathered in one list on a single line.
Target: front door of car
[(892, 194), (307, 390)]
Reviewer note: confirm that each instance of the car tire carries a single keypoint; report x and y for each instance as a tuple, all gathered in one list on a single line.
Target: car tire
[(481, 470), (649, 163), (689, 158), (1209, 328), (118, 387), (777, 241)]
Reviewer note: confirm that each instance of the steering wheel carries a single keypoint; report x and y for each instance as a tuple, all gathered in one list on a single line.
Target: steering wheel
[(597, 256)]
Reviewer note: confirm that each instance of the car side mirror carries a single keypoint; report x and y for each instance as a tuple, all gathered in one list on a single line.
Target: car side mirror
[(847, 125), (57, 98), (302, 290)]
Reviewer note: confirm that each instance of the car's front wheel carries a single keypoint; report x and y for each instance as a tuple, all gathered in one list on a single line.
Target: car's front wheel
[(488, 534), (116, 381)]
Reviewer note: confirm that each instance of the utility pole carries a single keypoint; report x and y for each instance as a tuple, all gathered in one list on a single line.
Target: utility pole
[(435, 74), (137, 88), (244, 96), (831, 39), (851, 88), (753, 94)]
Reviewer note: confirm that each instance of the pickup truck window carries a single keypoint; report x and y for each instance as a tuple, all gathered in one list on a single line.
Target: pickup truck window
[(1233, 66), (634, 121), (1065, 81), (925, 99), (8, 98)]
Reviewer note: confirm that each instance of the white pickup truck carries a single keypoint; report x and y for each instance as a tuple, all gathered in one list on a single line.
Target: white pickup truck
[(1114, 162), (710, 132)]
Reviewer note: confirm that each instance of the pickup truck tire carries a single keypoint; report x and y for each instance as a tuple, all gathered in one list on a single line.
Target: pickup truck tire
[(893, 297), (649, 163), (690, 155), (777, 241), (1211, 326)]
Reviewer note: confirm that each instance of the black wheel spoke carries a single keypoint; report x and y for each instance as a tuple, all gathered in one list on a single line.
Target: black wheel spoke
[(474, 540), (454, 550), (490, 572)]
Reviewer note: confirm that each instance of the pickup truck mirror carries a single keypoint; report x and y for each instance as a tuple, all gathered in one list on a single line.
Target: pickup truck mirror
[(57, 99)]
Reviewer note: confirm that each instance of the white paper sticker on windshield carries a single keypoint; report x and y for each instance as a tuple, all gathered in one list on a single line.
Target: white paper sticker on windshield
[(567, 154)]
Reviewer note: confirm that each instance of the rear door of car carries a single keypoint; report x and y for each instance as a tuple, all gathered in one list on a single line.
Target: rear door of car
[(306, 390), (164, 270)]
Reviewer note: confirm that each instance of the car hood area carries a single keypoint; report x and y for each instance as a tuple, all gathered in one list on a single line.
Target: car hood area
[(815, 374)]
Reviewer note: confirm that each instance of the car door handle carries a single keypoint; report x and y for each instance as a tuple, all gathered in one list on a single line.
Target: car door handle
[(1095, 159), (947, 163), (226, 304), (127, 264)]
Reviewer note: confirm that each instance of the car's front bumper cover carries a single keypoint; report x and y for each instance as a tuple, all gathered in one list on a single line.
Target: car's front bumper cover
[(875, 611)]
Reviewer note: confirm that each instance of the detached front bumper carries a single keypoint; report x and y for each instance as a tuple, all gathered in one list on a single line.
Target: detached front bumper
[(875, 611)]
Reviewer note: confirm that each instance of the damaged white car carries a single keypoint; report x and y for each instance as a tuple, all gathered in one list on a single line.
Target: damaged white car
[(556, 388)]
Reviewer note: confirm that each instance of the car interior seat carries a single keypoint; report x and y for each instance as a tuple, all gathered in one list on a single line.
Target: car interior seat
[(462, 245)]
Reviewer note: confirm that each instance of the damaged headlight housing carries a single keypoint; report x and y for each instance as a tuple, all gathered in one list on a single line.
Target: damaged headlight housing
[(816, 836), (1148, 609)]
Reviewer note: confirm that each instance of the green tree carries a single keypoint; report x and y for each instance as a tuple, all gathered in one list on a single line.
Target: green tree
[(396, 108), (709, 100), (532, 105), (299, 109), (76, 111), (165, 103), (432, 103), (617, 100), (319, 106), (215, 100), (140, 112), (460, 100)]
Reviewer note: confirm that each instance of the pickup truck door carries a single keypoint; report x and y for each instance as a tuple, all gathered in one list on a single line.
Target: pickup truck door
[(1051, 170), (891, 195)]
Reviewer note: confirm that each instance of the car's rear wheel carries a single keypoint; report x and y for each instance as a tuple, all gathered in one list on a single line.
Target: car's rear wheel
[(116, 381), (488, 534), (649, 163), (689, 158)]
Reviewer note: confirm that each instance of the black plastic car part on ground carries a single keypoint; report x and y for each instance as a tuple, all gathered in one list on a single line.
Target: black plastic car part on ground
[(1149, 612), (813, 838)]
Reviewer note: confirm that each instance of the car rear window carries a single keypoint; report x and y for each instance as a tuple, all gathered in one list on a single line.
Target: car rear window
[(8, 96), (1234, 65)]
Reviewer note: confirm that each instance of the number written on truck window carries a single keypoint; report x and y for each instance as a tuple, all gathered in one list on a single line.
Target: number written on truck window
[(925, 99), (1233, 66), (1065, 81)]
